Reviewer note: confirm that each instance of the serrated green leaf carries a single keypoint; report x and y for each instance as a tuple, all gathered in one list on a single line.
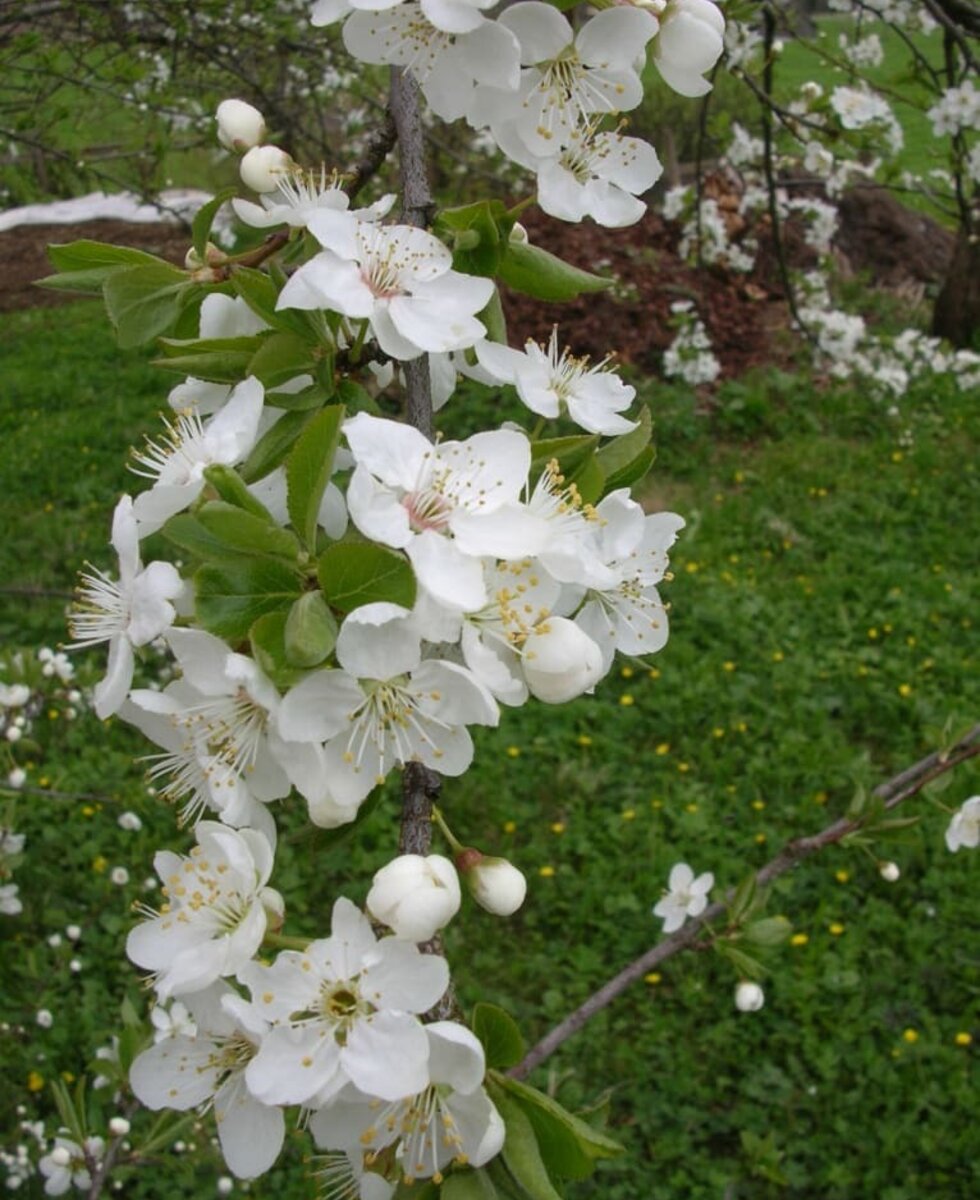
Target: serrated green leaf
[(521, 1153), (281, 357), (144, 301), (231, 597), (233, 490), (88, 283), (308, 470), (591, 1140), (311, 631), (468, 1185), (356, 398), (85, 255), (502, 1041), (273, 446), (310, 398), (770, 931), (187, 532), (535, 272), (247, 533), (352, 574), (204, 219)]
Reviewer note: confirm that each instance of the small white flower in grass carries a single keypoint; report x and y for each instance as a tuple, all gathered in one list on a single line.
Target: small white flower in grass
[(44, 1018), (447, 505), (890, 872), (177, 462), (686, 897), (447, 63), (129, 821), (749, 997), (689, 43), (240, 125), (10, 902), (415, 895), (386, 707), (207, 1066), (67, 1165), (396, 277), (127, 612), (568, 75), (14, 695), (343, 1011), (119, 876), (216, 911), (450, 1121), (964, 829), (628, 614), (551, 383)]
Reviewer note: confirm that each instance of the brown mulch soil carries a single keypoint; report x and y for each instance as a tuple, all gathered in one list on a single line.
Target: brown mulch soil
[(22, 252), (746, 315)]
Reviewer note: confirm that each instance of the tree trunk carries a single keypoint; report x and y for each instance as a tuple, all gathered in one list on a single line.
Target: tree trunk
[(957, 312)]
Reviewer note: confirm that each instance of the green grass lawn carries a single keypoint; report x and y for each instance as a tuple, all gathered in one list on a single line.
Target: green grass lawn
[(822, 634)]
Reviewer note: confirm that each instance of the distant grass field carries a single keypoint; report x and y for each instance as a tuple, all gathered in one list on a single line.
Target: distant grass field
[(823, 632)]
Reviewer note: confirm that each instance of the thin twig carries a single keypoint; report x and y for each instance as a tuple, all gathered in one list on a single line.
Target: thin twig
[(897, 789)]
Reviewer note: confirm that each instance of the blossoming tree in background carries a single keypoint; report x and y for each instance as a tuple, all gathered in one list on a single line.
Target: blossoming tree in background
[(351, 593)]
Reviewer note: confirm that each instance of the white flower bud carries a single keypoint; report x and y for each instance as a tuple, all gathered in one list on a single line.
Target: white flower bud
[(240, 126), (74, 932), (17, 777), (415, 896), (14, 734), (119, 1127), (560, 661), (749, 997), (60, 1156), (226, 1185), (518, 234), (44, 1018), (889, 871), (263, 166), (495, 884)]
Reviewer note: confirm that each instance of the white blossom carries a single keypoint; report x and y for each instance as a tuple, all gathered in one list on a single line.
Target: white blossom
[(415, 895), (686, 897), (964, 829)]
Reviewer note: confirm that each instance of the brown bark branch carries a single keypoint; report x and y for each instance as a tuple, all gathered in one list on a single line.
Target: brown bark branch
[(893, 792)]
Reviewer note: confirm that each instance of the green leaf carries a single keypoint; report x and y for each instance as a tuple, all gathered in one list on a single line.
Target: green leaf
[(475, 234), (232, 488), (468, 1185), (273, 446), (281, 357), (507, 1186), (591, 1140), (245, 532), (424, 1189), (747, 967), (88, 283), (231, 597), (570, 452), (356, 398), (71, 1118), (310, 632), (741, 902), (312, 397), (590, 480), (308, 470), (187, 532), (85, 255), (218, 360), (626, 459), (502, 1041), (356, 573), (770, 931), (267, 637), (204, 219), (144, 301), (535, 272), (521, 1153)]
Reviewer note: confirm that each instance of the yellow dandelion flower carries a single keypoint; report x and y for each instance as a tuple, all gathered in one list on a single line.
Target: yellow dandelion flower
[(513, 751), (910, 1035), (842, 876), (35, 1082), (626, 672), (510, 826), (626, 700), (835, 928), (963, 1039), (558, 827), (546, 872), (653, 978), (629, 814), (799, 939)]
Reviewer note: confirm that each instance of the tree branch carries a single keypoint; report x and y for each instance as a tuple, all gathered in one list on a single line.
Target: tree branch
[(900, 787)]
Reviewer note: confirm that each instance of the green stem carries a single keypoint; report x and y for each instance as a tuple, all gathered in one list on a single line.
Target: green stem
[(447, 833), (520, 206), (354, 354), (279, 941)]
